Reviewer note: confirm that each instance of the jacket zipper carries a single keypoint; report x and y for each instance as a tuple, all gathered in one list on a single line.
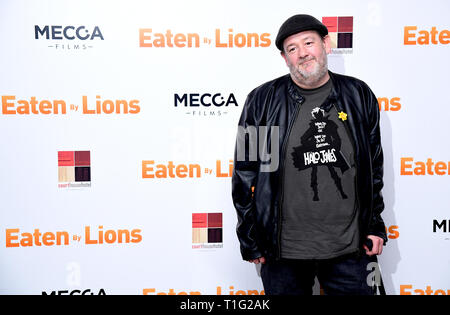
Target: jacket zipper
[(283, 155)]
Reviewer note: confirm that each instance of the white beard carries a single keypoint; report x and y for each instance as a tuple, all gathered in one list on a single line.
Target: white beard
[(310, 78)]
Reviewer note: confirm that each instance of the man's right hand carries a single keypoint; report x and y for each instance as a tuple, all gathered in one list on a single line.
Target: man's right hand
[(256, 261)]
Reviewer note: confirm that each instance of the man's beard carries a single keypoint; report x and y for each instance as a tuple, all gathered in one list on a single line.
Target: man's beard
[(310, 78)]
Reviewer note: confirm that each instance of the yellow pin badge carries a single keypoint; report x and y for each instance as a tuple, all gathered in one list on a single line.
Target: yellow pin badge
[(342, 116)]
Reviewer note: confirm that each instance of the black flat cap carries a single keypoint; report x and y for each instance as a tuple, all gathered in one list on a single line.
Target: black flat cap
[(296, 24)]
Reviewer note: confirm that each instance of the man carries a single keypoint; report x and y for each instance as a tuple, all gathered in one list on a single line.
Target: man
[(318, 212)]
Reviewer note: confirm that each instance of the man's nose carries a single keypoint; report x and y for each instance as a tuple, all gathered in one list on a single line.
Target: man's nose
[(302, 52)]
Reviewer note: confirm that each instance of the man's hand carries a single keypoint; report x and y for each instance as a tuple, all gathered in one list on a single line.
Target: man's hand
[(256, 261), (377, 247)]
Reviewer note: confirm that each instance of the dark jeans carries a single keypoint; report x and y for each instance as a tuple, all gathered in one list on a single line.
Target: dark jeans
[(345, 275)]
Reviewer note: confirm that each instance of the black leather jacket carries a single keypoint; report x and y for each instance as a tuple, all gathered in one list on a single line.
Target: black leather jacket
[(276, 103)]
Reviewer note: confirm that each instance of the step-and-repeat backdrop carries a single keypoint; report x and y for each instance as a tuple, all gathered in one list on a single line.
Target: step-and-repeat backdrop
[(117, 129)]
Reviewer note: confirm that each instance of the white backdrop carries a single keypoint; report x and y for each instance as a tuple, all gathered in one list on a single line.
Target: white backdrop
[(108, 62)]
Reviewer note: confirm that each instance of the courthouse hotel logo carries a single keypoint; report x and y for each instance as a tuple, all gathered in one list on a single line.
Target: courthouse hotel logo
[(219, 38), (68, 37), (340, 30), (74, 169), (207, 230)]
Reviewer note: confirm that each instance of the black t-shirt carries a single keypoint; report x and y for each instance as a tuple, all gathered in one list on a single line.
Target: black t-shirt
[(319, 214)]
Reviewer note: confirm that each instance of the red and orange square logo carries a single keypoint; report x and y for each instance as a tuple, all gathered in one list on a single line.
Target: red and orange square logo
[(74, 166), (206, 228), (340, 30)]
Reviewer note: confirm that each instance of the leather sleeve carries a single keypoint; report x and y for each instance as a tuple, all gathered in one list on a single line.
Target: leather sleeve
[(245, 173), (377, 226)]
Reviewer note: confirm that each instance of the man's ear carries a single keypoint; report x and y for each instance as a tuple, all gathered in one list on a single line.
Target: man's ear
[(327, 43), (284, 56)]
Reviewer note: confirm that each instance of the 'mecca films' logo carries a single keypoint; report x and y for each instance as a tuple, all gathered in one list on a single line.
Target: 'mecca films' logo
[(74, 38), (205, 104), (76, 292), (442, 227)]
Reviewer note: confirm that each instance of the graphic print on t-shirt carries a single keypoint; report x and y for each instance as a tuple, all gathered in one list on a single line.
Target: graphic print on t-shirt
[(321, 146)]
